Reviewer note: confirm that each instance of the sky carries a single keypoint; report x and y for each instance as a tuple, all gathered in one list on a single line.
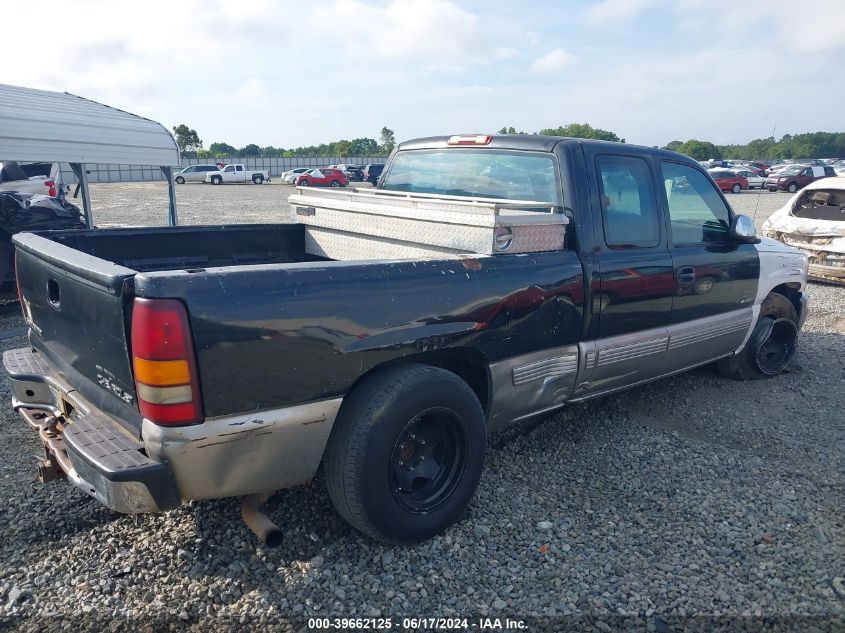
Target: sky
[(294, 73)]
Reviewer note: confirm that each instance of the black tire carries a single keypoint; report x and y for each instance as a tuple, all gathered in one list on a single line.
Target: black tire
[(378, 443), (792, 188), (180, 180), (304, 183), (736, 188), (336, 183), (216, 180), (777, 326), (258, 179)]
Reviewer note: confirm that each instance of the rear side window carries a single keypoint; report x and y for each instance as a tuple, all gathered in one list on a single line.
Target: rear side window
[(628, 202), (697, 212)]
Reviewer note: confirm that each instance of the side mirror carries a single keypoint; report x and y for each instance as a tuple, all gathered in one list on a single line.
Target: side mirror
[(743, 231)]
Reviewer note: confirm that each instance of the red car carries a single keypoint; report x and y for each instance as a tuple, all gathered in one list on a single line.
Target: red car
[(322, 177), (729, 181)]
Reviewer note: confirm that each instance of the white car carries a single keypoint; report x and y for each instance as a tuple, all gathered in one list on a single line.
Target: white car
[(43, 178), (813, 220), (754, 181), (291, 175)]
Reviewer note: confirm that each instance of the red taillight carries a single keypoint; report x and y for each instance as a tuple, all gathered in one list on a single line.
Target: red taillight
[(51, 187), (166, 381), (474, 139)]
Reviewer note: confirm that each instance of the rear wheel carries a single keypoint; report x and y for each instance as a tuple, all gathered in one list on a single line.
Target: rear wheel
[(406, 453), (335, 183), (770, 347), (180, 180), (736, 188), (258, 179)]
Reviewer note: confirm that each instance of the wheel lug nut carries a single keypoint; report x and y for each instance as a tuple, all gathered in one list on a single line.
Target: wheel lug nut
[(412, 436), (401, 463)]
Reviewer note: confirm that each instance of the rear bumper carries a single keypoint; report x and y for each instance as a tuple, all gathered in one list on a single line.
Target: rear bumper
[(90, 448), (260, 451)]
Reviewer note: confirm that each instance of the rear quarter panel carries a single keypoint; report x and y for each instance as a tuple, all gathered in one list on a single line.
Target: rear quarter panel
[(276, 335)]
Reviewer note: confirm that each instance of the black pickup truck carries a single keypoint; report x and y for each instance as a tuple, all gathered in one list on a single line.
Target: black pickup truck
[(168, 364)]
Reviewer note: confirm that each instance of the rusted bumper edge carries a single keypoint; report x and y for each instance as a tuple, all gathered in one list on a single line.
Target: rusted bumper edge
[(90, 448)]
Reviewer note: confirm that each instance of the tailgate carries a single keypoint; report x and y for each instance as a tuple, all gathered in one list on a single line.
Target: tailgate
[(77, 309)]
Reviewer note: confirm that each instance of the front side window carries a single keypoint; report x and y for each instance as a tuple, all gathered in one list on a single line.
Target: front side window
[(697, 213), (229, 168), (628, 203), (481, 173)]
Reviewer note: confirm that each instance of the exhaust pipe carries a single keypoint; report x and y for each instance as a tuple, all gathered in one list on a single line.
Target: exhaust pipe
[(261, 525)]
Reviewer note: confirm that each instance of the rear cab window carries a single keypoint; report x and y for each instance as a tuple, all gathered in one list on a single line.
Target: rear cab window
[(481, 173)]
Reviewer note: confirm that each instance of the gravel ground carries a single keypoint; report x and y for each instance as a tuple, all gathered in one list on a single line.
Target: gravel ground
[(693, 496)]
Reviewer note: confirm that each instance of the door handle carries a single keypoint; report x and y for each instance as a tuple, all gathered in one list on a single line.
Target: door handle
[(686, 273)]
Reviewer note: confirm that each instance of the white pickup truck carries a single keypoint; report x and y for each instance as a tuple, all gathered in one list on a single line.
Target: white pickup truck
[(237, 173)]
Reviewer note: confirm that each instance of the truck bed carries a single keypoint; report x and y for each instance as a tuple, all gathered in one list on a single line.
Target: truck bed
[(176, 248)]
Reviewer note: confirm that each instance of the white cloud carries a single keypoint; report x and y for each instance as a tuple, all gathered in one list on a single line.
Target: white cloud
[(426, 31), (619, 10), (505, 53), (552, 62)]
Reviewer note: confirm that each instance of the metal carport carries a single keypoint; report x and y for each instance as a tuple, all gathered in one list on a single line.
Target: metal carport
[(59, 127)]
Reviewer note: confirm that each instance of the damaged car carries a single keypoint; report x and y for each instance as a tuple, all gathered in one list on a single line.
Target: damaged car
[(814, 221)]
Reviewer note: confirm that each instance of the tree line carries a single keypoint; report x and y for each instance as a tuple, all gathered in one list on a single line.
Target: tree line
[(191, 146), (807, 145)]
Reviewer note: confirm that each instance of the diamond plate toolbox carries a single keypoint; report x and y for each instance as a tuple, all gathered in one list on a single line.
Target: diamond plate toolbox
[(378, 224)]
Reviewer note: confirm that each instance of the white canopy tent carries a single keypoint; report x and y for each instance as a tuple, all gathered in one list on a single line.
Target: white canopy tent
[(38, 125)]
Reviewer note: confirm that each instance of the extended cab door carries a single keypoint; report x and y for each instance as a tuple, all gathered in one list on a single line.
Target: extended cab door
[(229, 173), (632, 293), (715, 278)]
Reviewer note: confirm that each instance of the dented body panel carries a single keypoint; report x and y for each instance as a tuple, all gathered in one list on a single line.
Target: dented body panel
[(298, 333)]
